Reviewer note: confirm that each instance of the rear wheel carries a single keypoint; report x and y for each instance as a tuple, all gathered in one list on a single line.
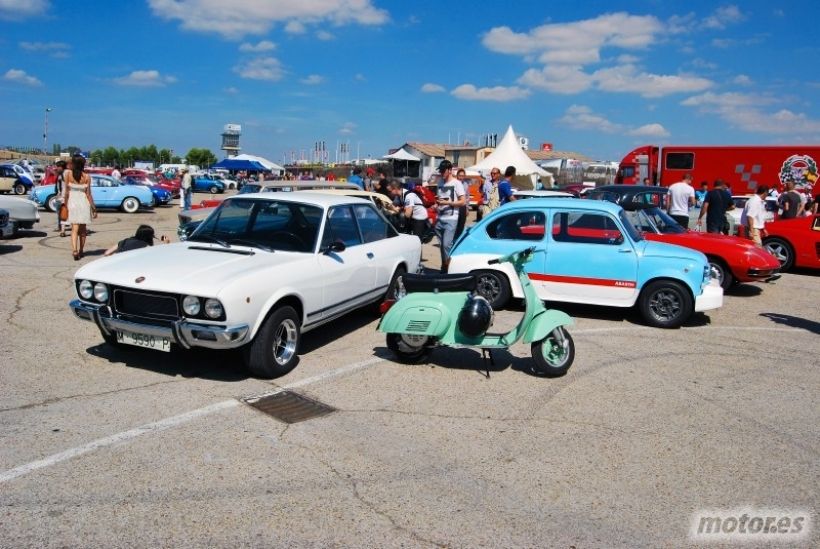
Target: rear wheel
[(665, 304), (19, 188), (130, 205), (408, 348), (554, 354), (493, 286), (51, 203), (213, 189), (782, 250), (721, 272), (272, 353)]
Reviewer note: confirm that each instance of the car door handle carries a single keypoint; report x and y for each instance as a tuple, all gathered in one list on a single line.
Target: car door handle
[(624, 251), (370, 255)]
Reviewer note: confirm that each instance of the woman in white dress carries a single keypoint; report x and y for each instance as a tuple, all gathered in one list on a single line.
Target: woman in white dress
[(81, 208)]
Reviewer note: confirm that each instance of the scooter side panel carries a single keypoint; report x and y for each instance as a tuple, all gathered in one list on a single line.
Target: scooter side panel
[(544, 323), (423, 314)]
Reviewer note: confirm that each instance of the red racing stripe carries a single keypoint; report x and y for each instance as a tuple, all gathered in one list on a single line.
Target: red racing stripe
[(583, 280)]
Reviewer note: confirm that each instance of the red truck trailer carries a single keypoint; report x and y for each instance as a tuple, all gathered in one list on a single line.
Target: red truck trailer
[(743, 168)]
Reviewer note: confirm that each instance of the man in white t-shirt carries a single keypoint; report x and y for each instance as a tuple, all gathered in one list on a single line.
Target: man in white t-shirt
[(449, 198), (681, 198), (753, 217), (410, 207)]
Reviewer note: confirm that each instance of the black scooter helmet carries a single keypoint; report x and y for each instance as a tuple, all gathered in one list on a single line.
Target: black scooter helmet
[(476, 317)]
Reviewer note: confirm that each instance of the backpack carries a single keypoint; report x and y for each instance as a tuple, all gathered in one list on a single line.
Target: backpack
[(426, 198)]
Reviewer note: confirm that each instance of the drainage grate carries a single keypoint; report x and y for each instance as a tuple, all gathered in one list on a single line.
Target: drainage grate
[(291, 407)]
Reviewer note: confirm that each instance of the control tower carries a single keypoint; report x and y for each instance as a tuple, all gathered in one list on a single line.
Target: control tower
[(230, 139)]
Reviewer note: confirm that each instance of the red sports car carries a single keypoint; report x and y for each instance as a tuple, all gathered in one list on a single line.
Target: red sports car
[(794, 242), (731, 258)]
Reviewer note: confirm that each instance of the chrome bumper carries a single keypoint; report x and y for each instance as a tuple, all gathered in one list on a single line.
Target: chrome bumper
[(183, 333)]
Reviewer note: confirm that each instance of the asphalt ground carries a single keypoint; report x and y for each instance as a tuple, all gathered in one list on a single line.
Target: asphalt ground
[(109, 447)]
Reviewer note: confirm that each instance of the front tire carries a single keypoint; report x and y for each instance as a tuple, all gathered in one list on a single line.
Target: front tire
[(493, 286), (554, 354), (665, 304), (721, 272), (51, 203), (782, 250), (213, 189), (409, 349), (130, 205), (273, 352), (19, 189)]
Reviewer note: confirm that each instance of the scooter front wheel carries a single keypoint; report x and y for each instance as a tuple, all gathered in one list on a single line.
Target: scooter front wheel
[(554, 354), (408, 348)]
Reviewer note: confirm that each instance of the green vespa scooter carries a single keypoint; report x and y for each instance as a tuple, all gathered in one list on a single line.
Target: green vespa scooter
[(446, 310)]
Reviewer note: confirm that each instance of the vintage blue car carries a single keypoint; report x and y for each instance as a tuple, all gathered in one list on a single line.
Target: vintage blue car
[(106, 191), (205, 183), (587, 252), (161, 196)]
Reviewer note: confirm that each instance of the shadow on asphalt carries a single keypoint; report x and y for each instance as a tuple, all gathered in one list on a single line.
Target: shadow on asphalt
[(744, 290), (337, 329), (28, 233), (8, 249), (193, 363), (794, 321)]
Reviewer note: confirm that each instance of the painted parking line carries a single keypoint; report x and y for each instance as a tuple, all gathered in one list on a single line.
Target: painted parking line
[(173, 421)]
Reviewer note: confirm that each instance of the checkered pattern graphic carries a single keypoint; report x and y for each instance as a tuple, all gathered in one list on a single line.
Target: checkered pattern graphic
[(746, 176)]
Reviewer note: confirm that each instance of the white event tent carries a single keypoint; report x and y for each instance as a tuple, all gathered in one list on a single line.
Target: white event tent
[(402, 154), (272, 166), (509, 153)]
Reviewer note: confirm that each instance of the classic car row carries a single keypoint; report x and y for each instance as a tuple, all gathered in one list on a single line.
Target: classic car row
[(23, 213), (107, 192)]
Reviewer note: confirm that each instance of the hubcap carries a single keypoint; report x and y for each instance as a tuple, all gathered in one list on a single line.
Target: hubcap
[(778, 251), (556, 348), (665, 304), (284, 342), (489, 287), (717, 273), (409, 343)]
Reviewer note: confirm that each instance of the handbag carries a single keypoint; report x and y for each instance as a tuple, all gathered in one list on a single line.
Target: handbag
[(63, 213)]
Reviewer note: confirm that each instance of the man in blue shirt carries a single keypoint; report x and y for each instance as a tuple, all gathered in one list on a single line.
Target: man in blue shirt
[(505, 192), (356, 178)]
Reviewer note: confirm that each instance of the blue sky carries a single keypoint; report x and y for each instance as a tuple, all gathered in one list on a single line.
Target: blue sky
[(593, 77)]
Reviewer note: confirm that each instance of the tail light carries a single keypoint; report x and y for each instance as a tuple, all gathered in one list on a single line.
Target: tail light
[(385, 306)]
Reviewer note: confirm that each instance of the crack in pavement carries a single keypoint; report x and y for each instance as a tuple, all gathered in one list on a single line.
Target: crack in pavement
[(88, 395), (18, 307), (355, 489)]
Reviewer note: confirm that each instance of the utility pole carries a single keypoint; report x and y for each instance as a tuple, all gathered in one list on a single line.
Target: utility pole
[(45, 131)]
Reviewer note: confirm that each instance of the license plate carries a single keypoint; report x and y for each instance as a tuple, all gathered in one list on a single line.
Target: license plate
[(157, 343)]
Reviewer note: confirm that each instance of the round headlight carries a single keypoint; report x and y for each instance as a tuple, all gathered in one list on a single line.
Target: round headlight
[(191, 305), (100, 292), (213, 308), (86, 289)]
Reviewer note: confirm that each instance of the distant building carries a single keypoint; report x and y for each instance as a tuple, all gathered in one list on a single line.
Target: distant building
[(230, 139)]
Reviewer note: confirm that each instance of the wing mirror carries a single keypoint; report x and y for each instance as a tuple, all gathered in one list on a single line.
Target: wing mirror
[(336, 246)]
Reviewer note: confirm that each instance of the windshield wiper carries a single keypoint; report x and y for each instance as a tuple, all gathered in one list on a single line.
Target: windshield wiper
[(210, 238), (251, 243)]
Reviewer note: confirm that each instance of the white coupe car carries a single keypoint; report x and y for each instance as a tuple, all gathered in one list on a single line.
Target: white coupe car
[(260, 271)]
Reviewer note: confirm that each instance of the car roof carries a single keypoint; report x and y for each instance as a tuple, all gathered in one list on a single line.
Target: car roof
[(575, 203), (308, 185), (325, 200), (349, 192), (631, 189), (544, 193)]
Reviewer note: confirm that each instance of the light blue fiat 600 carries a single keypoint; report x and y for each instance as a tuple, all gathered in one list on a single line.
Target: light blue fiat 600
[(588, 252)]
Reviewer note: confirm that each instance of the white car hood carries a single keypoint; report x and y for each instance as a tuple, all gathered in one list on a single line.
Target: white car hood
[(178, 268)]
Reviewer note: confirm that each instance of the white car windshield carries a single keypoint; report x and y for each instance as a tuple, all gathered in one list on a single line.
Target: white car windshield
[(266, 224)]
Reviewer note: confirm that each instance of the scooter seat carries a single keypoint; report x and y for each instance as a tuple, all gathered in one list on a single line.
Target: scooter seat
[(439, 283)]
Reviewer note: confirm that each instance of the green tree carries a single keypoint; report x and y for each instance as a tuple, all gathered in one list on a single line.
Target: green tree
[(96, 157), (201, 157), (164, 156)]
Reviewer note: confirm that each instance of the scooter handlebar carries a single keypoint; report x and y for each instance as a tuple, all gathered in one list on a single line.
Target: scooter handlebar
[(523, 254)]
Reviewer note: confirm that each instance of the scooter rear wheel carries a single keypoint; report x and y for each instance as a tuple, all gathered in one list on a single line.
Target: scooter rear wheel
[(554, 354), (408, 348)]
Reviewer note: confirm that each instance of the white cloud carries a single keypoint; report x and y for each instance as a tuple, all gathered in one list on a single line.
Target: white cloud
[(681, 24), (580, 117), (469, 92), (744, 111), (58, 50), (723, 16), (295, 27), (627, 79), (359, 77), (563, 79), (742, 80), (145, 79), (16, 10), (577, 42), (324, 36), (649, 130), (429, 87), (627, 59), (20, 77), (258, 16), (312, 80), (264, 45), (261, 68), (232, 90), (347, 128)]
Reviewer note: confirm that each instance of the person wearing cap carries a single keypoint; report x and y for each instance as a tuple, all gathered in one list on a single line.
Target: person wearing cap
[(449, 198), (187, 188), (143, 238)]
